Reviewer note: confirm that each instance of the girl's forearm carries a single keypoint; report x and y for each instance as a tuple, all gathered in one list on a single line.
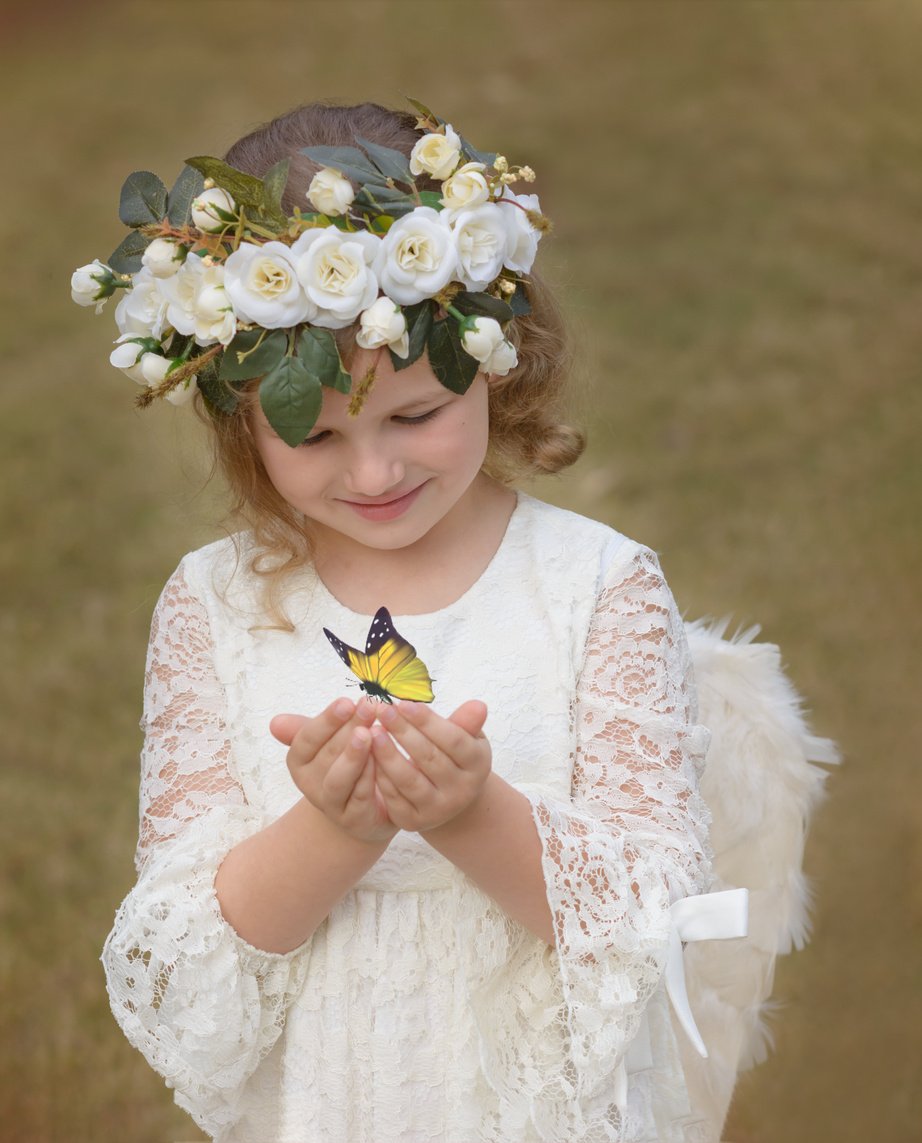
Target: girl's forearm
[(277, 886), (496, 844)]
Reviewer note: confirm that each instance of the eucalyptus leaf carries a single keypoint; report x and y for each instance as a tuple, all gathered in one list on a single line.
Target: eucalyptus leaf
[(184, 191), (483, 305), (518, 302), (291, 399), (126, 257), (245, 189), (454, 367), (392, 164), (319, 352), (419, 326), (257, 361), (350, 161), (143, 199), (473, 155), (395, 204), (218, 394), (274, 182)]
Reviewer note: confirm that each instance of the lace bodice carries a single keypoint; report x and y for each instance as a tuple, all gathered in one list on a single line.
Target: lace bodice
[(418, 1011)]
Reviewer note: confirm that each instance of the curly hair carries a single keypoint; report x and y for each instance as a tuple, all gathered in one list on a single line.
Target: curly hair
[(528, 435)]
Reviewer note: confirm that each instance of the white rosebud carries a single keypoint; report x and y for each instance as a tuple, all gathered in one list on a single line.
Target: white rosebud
[(384, 324), (482, 241), (263, 286), (155, 368), (163, 257), (92, 285), (436, 154), (501, 360), (523, 238), (335, 270), (142, 310), (127, 357), (198, 303), (467, 188), (206, 206), (417, 257), (330, 192), (481, 336)]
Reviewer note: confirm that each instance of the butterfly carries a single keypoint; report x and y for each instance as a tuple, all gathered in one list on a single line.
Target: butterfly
[(389, 668)]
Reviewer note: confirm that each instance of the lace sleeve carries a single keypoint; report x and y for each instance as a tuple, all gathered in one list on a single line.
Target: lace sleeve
[(556, 1024), (201, 1004)]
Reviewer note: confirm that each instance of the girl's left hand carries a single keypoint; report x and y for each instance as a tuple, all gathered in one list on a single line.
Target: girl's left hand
[(449, 762)]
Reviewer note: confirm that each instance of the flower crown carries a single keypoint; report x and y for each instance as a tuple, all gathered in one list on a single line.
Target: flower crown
[(221, 287)]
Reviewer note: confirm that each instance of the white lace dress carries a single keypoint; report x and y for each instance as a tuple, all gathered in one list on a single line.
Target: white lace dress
[(418, 1012)]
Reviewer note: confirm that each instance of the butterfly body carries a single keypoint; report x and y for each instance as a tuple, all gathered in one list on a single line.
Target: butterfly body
[(389, 668)]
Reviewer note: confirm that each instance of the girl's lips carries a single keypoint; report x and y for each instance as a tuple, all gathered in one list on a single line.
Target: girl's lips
[(389, 510)]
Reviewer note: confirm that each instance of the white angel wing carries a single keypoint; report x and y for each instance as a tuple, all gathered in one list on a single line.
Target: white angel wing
[(762, 784)]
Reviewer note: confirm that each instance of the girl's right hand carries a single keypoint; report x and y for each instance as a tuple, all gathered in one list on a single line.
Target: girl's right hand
[(331, 763)]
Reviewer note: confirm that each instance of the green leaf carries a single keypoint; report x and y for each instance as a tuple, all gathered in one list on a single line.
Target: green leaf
[(431, 198), (419, 326), (392, 164), (483, 305), (376, 200), (349, 161), (318, 350), (475, 156), (424, 110), (291, 399), (518, 302), (219, 396), (455, 368), (274, 182), (245, 189), (186, 188), (126, 257), (143, 199), (258, 361)]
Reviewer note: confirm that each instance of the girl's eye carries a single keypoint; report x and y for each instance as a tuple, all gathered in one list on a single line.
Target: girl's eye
[(421, 419), (316, 439)]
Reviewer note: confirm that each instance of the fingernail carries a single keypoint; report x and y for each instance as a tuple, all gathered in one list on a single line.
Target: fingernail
[(360, 736), (342, 708), (387, 715)]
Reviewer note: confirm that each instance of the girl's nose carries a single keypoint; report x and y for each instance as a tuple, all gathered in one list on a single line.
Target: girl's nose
[(370, 471)]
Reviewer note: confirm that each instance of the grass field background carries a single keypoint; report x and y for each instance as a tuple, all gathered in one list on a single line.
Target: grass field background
[(736, 190)]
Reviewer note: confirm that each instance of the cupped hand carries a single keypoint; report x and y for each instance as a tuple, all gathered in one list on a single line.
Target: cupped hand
[(331, 762), (443, 766)]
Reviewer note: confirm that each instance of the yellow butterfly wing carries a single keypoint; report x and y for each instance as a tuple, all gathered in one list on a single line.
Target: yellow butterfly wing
[(389, 667)]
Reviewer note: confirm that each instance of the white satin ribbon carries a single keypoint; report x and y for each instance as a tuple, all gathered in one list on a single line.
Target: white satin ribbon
[(706, 917)]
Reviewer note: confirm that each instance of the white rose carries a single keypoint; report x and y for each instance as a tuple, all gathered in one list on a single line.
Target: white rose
[(482, 240), (523, 238), (384, 324), (205, 209), (481, 336), (436, 154), (335, 270), (142, 311), (330, 192), (417, 257), (263, 286), (199, 304), (163, 257), (92, 284), (155, 368), (467, 188)]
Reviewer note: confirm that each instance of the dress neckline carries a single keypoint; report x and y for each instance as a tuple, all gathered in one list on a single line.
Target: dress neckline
[(513, 525)]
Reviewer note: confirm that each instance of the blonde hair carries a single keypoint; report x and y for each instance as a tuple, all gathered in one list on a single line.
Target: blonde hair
[(527, 436)]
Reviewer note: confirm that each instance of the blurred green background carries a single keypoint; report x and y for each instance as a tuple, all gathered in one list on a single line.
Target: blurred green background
[(736, 190)]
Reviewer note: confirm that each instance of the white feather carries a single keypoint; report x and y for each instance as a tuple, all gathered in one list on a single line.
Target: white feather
[(762, 784)]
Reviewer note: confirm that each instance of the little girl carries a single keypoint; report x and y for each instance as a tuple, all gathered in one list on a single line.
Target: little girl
[(385, 921)]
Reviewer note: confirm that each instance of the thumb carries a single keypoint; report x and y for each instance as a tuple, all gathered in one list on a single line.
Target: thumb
[(285, 726), (470, 716)]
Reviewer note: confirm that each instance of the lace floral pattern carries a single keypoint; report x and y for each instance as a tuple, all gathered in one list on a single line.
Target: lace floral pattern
[(418, 1012)]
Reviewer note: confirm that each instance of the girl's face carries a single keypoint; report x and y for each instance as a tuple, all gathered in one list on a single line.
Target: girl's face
[(386, 477)]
